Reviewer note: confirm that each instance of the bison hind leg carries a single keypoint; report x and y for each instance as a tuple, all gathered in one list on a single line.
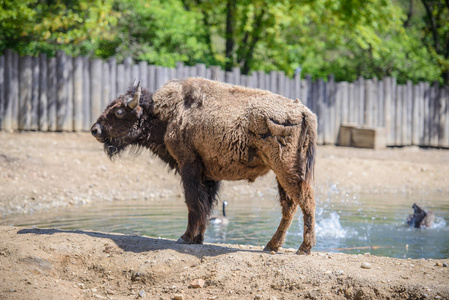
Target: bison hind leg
[(289, 208)]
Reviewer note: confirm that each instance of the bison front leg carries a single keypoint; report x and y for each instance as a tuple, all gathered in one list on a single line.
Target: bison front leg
[(289, 208), (199, 198)]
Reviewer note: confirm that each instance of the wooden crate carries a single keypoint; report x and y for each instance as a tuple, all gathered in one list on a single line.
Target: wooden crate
[(352, 135)]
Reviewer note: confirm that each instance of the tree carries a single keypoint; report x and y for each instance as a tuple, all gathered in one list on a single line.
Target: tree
[(436, 33), (31, 26)]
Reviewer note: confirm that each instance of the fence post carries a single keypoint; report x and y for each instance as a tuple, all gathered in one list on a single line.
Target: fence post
[(87, 120), (321, 108), (95, 88), (61, 92), (78, 93), (43, 94), (52, 88), (2, 90), (446, 128), (113, 78), (143, 72), (127, 74), (34, 122), (328, 113), (11, 104), (25, 87), (106, 90), (442, 108), (435, 91), (416, 114), (387, 108)]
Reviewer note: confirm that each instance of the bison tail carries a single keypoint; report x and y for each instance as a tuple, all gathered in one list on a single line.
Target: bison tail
[(307, 148)]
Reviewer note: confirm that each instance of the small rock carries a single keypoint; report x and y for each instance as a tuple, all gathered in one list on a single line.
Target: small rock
[(142, 294), (438, 264), (272, 253), (257, 297), (365, 265), (178, 297), (445, 265), (348, 291), (197, 283)]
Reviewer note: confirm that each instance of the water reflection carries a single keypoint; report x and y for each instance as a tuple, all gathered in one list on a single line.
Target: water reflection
[(344, 223)]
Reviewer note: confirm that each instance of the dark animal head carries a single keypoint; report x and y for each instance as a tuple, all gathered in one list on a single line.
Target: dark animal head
[(120, 125)]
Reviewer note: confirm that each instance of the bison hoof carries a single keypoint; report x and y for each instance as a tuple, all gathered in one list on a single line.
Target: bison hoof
[(196, 240), (270, 248), (304, 250), (181, 241)]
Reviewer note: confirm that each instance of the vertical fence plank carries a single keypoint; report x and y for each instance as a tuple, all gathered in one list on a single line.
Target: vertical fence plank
[(11, 100), (25, 89), (179, 70), (281, 83), (329, 112), (68, 120), (87, 120), (135, 74), (445, 142), (143, 74), (409, 112), (201, 70), (404, 116), (367, 113), (433, 113), (360, 100), (273, 82), (2, 90), (95, 88), (120, 79), (261, 80), (34, 122), (351, 103), (127, 74), (113, 77), (416, 121), (398, 115), (78, 93), (52, 90), (106, 89), (305, 87), (321, 108), (297, 87), (61, 92), (388, 84), (43, 94), (441, 126), (381, 104)]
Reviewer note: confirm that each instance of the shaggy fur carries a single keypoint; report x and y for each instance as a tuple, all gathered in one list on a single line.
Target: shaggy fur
[(210, 131)]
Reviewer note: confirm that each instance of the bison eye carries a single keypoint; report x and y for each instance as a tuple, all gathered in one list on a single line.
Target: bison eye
[(119, 113)]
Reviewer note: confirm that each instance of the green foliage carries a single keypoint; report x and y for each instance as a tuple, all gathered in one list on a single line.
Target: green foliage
[(159, 32), (30, 27), (347, 38)]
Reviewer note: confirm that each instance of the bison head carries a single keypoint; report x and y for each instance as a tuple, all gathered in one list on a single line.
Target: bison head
[(120, 124)]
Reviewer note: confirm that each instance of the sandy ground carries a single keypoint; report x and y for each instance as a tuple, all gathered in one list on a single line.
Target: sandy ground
[(41, 171)]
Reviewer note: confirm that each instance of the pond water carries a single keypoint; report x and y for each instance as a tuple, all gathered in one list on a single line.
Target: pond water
[(344, 223)]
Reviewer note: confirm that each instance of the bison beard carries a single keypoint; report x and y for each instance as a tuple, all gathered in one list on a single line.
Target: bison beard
[(209, 131)]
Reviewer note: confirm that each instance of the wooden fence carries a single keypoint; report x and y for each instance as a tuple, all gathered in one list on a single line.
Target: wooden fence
[(65, 93)]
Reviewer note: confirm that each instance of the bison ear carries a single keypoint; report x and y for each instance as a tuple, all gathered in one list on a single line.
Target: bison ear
[(135, 100)]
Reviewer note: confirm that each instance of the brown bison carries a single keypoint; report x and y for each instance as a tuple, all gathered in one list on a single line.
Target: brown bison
[(210, 131)]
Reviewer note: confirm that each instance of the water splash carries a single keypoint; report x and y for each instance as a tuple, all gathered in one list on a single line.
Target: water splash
[(330, 227)]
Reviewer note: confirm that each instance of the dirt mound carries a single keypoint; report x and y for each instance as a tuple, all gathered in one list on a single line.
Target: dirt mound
[(43, 263)]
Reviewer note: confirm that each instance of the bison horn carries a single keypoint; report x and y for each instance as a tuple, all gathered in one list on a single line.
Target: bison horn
[(135, 100)]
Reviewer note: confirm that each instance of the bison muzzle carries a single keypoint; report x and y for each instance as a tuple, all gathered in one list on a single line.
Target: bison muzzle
[(209, 131)]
